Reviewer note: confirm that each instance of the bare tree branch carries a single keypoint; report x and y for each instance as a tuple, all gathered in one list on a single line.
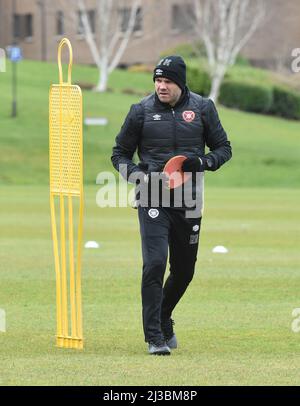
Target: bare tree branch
[(107, 44), (226, 26), (259, 18), (127, 35), (88, 33)]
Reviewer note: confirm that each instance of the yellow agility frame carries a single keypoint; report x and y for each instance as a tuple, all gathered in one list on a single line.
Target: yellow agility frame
[(66, 185)]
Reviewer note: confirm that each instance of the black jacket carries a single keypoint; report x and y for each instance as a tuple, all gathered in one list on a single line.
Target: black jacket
[(158, 132)]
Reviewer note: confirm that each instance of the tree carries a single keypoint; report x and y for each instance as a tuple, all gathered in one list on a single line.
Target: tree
[(225, 27), (108, 43)]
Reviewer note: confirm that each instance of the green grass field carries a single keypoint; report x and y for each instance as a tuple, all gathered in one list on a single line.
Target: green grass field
[(233, 324)]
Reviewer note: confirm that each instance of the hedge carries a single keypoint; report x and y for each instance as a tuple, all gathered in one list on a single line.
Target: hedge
[(198, 80), (286, 103), (246, 96)]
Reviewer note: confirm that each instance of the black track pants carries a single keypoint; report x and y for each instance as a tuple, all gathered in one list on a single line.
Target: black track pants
[(162, 229)]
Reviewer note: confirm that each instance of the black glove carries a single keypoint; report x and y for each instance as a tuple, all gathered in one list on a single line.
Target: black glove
[(195, 164)]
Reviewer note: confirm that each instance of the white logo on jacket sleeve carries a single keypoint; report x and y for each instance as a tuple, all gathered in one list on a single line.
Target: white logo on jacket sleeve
[(195, 228), (153, 213)]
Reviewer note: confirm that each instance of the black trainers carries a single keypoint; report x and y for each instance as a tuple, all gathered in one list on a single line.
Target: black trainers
[(158, 348), (168, 332)]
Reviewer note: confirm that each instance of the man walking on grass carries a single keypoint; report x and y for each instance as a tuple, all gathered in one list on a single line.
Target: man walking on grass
[(172, 121)]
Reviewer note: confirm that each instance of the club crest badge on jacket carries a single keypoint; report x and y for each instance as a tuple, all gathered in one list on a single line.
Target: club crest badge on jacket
[(188, 115)]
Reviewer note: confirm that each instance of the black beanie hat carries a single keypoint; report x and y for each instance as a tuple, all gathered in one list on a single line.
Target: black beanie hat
[(171, 67)]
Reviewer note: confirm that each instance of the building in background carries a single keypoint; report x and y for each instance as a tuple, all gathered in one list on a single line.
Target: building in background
[(39, 25), (272, 44)]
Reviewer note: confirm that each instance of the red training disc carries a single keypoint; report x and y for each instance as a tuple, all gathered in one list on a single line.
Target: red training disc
[(173, 169)]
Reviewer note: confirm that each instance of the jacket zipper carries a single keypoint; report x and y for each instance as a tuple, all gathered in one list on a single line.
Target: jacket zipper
[(174, 138)]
